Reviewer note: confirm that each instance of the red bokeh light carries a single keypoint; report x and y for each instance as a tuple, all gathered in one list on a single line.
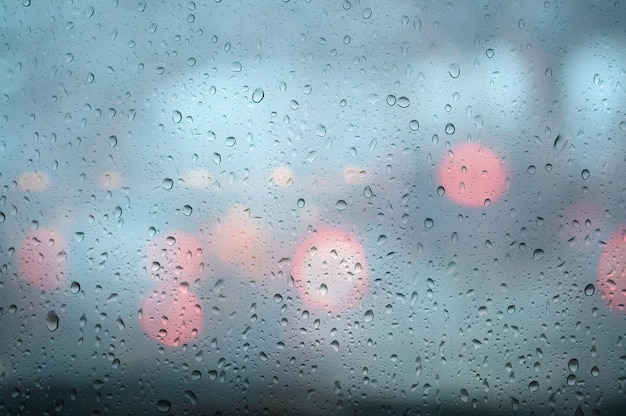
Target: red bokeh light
[(472, 174), (171, 316), (331, 271), (42, 259), (612, 271)]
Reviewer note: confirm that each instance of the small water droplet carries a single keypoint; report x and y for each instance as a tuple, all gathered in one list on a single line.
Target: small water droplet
[(538, 254), (391, 100), (367, 192), (335, 345), (320, 130), (585, 174), (236, 66), (301, 203), (441, 191), (2, 217), (403, 102), (112, 141), (414, 125), (187, 210), (367, 13), (596, 79), (177, 116), (533, 386), (428, 223), (258, 95), (369, 315), (341, 205), (595, 371), (489, 52), (590, 289), (217, 158), (52, 321), (531, 169), (450, 128), (230, 141), (454, 70), (75, 287), (164, 406), (278, 298), (511, 309), (573, 365), (167, 183)]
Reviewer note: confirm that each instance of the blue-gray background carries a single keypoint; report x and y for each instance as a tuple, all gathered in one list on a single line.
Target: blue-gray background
[(465, 320)]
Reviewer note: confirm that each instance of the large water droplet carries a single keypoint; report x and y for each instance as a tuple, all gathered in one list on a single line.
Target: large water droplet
[(573, 365), (454, 70), (164, 406), (369, 315), (52, 321), (258, 95)]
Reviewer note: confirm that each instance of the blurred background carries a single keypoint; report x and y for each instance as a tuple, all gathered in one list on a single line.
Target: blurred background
[(312, 207)]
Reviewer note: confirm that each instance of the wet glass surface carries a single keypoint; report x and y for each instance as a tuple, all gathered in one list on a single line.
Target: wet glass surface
[(312, 207)]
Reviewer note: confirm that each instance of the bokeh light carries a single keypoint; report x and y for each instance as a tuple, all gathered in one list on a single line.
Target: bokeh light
[(331, 271), (33, 181), (473, 175), (42, 259), (612, 271)]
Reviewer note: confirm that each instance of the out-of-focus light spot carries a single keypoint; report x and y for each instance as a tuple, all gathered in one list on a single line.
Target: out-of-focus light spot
[(354, 174), (282, 176), (110, 180), (612, 271), (331, 271), (239, 241), (42, 259), (197, 178), (175, 257), (473, 175), (33, 181), (171, 316)]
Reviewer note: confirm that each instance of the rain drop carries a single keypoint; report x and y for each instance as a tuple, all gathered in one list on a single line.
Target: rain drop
[(369, 315), (258, 95), (341, 205), (590, 289), (52, 321), (428, 223), (572, 365), (441, 191), (167, 183), (538, 254), (450, 128), (301, 203), (454, 70), (75, 287), (164, 406), (176, 116), (585, 174), (489, 52), (403, 102), (187, 210), (414, 125)]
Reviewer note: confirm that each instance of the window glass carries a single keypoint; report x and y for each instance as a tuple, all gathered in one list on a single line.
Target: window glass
[(312, 207)]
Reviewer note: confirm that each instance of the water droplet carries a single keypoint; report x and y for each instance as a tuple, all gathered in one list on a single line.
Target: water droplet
[(595, 371), (531, 169), (450, 128), (622, 125), (112, 141), (590, 289), (301, 203), (573, 365), (278, 298), (454, 70), (217, 158), (489, 52), (403, 102), (521, 24), (187, 210), (585, 174), (75, 287), (441, 191), (341, 205), (335, 345), (369, 315), (294, 105), (367, 13), (428, 223), (391, 99), (258, 95), (596, 79), (176, 116), (164, 406), (511, 309), (538, 254), (414, 125), (2, 217), (52, 321), (230, 141), (167, 183), (236, 66), (346, 39), (533, 386), (320, 130)]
